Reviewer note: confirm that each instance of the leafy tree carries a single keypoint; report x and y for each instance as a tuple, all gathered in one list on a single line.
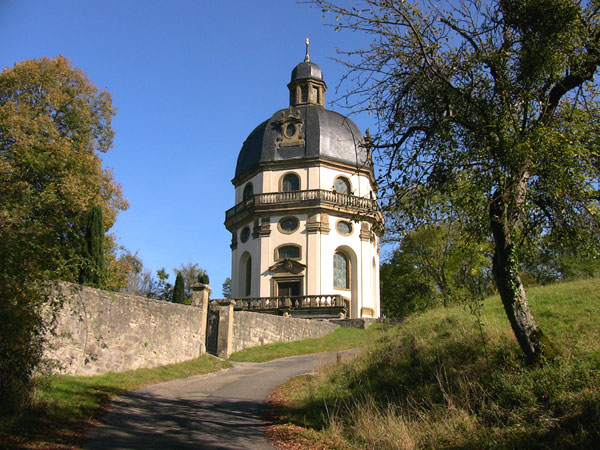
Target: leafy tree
[(227, 288), (404, 290), (546, 261), (161, 288), (191, 273), (178, 290), (92, 269), (53, 124), (434, 265), (495, 102), (138, 279)]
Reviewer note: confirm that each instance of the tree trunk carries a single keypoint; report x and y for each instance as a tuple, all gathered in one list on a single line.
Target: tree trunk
[(512, 292)]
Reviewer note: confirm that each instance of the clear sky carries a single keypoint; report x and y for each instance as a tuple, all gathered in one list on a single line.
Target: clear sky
[(190, 80)]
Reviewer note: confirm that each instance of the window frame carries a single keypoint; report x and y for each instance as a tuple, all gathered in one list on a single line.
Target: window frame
[(348, 280), (344, 221), (280, 228), (346, 181), (278, 249), (282, 180), (245, 195), (242, 240)]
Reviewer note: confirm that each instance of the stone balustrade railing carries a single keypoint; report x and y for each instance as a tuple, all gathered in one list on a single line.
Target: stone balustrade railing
[(362, 204), (294, 302)]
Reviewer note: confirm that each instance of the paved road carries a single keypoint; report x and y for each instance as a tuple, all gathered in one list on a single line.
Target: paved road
[(216, 411)]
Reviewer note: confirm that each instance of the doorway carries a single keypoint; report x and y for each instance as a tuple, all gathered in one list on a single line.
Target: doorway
[(288, 288)]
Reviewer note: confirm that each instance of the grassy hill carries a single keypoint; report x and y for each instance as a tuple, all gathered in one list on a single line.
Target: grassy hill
[(443, 379)]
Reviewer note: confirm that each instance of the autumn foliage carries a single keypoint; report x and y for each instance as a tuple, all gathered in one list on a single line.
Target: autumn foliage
[(54, 122)]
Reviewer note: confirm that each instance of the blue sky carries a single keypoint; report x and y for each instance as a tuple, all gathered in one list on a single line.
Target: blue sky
[(190, 80)]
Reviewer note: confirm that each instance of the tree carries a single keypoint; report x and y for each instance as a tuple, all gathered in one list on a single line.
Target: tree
[(496, 103), (191, 273), (161, 288), (452, 268), (227, 288), (53, 124), (178, 290), (403, 288), (92, 268)]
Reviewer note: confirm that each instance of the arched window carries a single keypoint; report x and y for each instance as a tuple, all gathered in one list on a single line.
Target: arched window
[(342, 185), (248, 279), (290, 182), (341, 271), (248, 191)]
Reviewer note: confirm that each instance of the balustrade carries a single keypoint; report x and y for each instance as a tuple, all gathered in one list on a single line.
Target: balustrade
[(295, 302), (311, 195)]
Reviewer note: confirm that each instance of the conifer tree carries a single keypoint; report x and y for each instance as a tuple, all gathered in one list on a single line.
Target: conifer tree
[(179, 290), (93, 253)]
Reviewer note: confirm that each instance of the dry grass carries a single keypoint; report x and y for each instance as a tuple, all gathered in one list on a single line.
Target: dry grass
[(434, 383)]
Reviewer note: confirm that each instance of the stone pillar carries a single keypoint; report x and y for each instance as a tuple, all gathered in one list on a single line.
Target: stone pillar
[(200, 299), (225, 327)]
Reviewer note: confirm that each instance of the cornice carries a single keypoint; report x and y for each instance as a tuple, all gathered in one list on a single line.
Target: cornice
[(307, 162)]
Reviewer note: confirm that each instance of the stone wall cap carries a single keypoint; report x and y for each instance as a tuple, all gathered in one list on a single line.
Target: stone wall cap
[(201, 287)]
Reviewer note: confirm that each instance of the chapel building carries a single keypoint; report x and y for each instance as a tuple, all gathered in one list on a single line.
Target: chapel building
[(306, 224)]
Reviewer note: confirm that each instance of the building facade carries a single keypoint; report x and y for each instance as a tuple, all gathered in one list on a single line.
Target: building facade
[(306, 220)]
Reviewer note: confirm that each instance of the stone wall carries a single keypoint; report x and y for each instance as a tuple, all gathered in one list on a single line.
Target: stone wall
[(100, 331), (252, 329), (355, 323)]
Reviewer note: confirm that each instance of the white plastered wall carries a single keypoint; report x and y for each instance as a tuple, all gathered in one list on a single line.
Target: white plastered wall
[(317, 249)]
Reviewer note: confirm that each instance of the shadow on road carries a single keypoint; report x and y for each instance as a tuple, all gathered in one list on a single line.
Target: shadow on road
[(143, 420)]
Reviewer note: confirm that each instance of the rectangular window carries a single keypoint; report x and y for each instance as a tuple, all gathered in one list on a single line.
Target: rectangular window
[(304, 94)]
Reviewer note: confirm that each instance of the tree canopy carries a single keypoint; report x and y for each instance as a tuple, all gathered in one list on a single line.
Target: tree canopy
[(494, 102), (54, 122)]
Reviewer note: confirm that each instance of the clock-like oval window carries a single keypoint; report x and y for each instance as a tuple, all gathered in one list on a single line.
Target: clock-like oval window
[(289, 224), (290, 130), (344, 227), (245, 234)]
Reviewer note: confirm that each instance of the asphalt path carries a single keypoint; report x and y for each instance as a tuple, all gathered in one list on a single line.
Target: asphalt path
[(221, 410)]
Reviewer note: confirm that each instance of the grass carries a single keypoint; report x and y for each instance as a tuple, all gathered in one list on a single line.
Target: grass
[(434, 383), (339, 339), (65, 407)]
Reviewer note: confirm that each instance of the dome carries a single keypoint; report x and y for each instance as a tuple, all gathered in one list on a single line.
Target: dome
[(306, 70), (322, 134)]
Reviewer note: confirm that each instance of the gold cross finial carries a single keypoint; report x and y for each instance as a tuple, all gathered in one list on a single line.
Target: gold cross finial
[(307, 57)]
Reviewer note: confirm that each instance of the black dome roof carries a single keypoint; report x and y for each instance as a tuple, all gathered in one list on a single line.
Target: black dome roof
[(327, 135)]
